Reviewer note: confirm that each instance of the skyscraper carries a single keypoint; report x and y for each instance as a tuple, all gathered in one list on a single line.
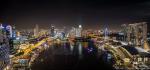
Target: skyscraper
[(13, 32), (79, 31), (124, 31), (9, 29), (52, 31), (4, 48), (137, 33), (106, 34), (36, 30), (72, 32)]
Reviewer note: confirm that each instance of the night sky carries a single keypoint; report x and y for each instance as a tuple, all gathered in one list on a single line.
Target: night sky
[(94, 14)]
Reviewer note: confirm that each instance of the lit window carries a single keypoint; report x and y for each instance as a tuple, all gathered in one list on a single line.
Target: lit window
[(139, 59)]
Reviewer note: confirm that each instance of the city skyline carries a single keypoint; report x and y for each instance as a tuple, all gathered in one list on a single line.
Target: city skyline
[(94, 15), (74, 34)]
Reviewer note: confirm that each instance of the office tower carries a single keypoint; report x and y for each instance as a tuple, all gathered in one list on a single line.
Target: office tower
[(9, 31), (124, 32), (36, 30), (105, 34), (52, 31), (72, 32), (79, 31), (14, 32)]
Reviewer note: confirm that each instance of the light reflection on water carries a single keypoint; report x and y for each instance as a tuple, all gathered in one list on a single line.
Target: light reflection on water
[(80, 50), (69, 56)]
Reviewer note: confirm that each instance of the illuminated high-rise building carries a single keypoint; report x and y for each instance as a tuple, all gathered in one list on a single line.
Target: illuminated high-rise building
[(10, 32), (4, 56), (124, 32), (137, 33), (4, 48), (18, 34), (36, 30), (72, 32), (52, 31), (14, 33), (65, 32), (106, 34), (1, 33), (79, 31)]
